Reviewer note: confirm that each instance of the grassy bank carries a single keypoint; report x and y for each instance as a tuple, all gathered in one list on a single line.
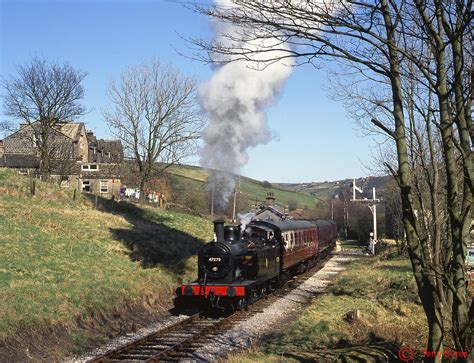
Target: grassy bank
[(385, 293), (63, 263)]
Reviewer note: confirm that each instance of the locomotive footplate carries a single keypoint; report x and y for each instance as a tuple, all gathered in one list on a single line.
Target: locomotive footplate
[(196, 289)]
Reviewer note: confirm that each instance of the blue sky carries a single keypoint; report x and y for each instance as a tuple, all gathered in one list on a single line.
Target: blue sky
[(314, 138)]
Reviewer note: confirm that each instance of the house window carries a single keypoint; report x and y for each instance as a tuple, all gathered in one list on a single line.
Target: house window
[(86, 185), (93, 167), (104, 188)]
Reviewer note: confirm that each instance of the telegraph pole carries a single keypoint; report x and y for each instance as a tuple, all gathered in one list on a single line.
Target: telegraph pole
[(233, 211), (212, 202)]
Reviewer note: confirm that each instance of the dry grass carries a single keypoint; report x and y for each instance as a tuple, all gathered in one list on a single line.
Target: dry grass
[(64, 262), (189, 172)]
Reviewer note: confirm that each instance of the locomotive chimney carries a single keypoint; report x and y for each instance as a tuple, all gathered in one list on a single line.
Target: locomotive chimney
[(219, 230)]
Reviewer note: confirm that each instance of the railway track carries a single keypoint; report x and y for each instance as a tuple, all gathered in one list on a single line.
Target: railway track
[(178, 341)]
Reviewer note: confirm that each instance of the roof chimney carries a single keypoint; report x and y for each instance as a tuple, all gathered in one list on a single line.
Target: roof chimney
[(270, 199)]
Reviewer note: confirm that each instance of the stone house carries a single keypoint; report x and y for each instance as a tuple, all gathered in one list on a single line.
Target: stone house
[(79, 159), (269, 211)]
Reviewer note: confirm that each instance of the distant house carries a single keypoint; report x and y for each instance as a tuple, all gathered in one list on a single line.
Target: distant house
[(269, 211), (79, 159)]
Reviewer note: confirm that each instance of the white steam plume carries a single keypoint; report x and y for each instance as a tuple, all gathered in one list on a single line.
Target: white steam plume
[(245, 218), (235, 99)]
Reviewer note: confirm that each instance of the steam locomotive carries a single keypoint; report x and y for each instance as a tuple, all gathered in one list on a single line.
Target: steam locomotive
[(245, 262)]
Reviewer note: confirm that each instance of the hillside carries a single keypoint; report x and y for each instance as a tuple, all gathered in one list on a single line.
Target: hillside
[(327, 189), (189, 188), (187, 180), (72, 275)]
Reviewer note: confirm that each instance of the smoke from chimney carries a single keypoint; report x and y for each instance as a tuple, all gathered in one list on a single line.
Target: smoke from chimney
[(235, 99)]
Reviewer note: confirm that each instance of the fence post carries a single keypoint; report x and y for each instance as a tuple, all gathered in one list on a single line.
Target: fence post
[(32, 186)]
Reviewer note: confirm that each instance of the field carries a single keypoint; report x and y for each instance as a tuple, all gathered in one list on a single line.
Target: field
[(382, 289), (191, 179), (328, 189), (72, 270)]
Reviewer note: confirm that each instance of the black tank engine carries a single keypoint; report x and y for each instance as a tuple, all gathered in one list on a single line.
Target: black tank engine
[(244, 262)]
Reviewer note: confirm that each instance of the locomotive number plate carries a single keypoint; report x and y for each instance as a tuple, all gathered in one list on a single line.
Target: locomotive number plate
[(215, 259)]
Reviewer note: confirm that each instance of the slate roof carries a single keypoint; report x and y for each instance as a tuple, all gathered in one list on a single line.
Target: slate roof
[(19, 161), (106, 151), (269, 213), (20, 150)]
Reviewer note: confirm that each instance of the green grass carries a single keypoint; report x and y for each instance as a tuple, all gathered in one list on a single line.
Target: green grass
[(353, 245), (385, 293), (189, 179), (62, 259), (254, 191), (191, 172)]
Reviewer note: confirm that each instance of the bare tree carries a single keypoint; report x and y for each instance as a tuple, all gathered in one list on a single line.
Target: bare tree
[(41, 95), (154, 113), (379, 41)]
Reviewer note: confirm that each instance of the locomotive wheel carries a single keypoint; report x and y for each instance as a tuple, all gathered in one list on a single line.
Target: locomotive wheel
[(253, 296), (240, 304)]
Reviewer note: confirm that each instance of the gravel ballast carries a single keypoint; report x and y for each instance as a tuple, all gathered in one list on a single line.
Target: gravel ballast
[(242, 336)]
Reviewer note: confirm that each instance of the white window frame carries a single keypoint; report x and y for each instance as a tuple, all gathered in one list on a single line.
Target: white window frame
[(88, 167), (101, 183)]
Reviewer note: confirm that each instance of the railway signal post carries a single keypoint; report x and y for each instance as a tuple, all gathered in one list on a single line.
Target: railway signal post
[(373, 209)]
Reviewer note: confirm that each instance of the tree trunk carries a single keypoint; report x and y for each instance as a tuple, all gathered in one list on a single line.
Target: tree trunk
[(142, 198), (426, 288)]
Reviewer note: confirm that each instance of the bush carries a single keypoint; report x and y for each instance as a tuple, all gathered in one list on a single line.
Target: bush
[(196, 202)]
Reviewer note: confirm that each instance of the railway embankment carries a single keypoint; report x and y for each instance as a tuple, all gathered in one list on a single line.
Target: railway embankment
[(75, 273), (365, 314)]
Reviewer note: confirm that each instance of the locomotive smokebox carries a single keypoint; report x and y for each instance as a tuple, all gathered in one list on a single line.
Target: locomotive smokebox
[(219, 230)]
